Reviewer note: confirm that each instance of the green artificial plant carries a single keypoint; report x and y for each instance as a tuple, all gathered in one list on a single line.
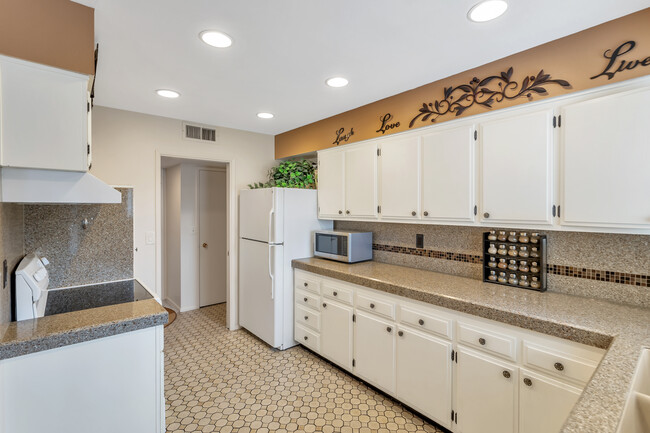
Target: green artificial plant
[(290, 174)]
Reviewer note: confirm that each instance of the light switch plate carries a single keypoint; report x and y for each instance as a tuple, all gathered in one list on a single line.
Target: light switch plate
[(150, 238), (4, 273)]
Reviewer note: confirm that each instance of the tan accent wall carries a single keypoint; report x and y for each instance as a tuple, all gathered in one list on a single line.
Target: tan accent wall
[(574, 58), (57, 33)]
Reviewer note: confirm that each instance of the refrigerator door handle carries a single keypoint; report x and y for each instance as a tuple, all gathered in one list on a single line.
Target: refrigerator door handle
[(271, 263), (271, 215)]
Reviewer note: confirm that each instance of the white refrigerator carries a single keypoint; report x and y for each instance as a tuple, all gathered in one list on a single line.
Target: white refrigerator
[(276, 225)]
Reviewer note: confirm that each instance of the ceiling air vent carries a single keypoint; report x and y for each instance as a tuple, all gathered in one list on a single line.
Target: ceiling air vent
[(203, 133)]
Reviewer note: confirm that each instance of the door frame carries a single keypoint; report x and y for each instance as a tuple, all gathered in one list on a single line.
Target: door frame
[(198, 221), (231, 218)]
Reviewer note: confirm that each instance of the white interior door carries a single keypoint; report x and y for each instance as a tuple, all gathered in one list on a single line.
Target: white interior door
[(212, 237)]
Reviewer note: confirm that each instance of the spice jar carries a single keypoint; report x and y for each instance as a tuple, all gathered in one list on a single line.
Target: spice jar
[(513, 279), (512, 237), (502, 277), (534, 252), (534, 238), (523, 281), (512, 251), (502, 264), (502, 237), (512, 265), (534, 268), (523, 266), (492, 236), (492, 276), (523, 251), (534, 283), (493, 262), (492, 249), (502, 251), (523, 238)]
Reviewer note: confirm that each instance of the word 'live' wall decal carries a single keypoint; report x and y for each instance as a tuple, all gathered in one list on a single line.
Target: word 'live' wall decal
[(458, 99)]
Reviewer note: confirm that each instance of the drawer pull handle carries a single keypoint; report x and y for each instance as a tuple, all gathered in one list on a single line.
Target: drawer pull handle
[(340, 212), (506, 374), (414, 213), (389, 329), (400, 333), (481, 341), (372, 305), (421, 322), (335, 293), (347, 212), (306, 338), (306, 317), (305, 299), (486, 215), (324, 305), (528, 382), (426, 213), (558, 366), (306, 284)]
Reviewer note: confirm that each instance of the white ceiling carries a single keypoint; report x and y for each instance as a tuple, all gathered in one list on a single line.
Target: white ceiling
[(284, 50)]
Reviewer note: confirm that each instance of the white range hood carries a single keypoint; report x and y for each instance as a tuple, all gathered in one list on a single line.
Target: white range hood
[(27, 185)]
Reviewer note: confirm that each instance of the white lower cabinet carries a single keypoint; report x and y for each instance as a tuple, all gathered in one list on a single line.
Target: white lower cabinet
[(501, 379), (423, 374), (544, 403), (336, 333), (374, 351), (486, 394)]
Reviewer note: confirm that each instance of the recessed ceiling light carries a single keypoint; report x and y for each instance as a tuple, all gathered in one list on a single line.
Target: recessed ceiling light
[(265, 115), (487, 10), (215, 38), (166, 93), (337, 82)]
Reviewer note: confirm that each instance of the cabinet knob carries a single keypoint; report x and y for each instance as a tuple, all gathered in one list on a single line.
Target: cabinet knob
[(347, 212), (306, 284), (414, 213), (305, 299), (481, 341), (421, 322), (426, 213), (335, 293), (372, 305), (558, 366), (528, 382), (306, 338), (324, 305), (486, 215), (340, 212), (506, 374), (400, 333), (389, 329), (205, 245), (306, 317)]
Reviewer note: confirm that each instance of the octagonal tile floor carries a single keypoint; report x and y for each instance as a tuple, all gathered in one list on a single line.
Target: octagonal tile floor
[(222, 381)]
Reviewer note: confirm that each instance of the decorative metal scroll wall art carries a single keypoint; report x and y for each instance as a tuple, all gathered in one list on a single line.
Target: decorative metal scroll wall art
[(478, 92)]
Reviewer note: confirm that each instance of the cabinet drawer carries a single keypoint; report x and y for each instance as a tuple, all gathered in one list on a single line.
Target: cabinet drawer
[(488, 341), (334, 291), (426, 322), (306, 282), (380, 307), (307, 337), (558, 364), (307, 300), (308, 317)]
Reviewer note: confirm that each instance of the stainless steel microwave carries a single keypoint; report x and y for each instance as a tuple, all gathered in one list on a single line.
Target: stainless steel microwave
[(350, 247)]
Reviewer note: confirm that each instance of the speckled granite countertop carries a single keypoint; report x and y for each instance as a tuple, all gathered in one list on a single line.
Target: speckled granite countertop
[(50, 332), (623, 330)]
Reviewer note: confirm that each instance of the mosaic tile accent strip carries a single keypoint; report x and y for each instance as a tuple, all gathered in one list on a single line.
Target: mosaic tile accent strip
[(217, 380), (638, 280)]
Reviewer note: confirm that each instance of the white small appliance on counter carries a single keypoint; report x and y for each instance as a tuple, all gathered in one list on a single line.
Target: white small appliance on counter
[(32, 280)]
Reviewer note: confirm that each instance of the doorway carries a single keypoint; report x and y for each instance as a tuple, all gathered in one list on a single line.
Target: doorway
[(194, 241)]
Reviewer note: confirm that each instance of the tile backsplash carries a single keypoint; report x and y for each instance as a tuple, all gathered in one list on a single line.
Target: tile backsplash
[(615, 267), (12, 249)]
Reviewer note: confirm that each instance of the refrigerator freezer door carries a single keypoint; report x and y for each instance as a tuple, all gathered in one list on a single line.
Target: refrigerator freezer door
[(260, 290), (260, 215)]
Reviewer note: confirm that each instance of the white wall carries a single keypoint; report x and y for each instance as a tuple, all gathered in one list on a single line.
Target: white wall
[(172, 201), (126, 146)]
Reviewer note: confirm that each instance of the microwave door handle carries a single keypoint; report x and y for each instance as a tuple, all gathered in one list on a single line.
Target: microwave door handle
[(271, 263)]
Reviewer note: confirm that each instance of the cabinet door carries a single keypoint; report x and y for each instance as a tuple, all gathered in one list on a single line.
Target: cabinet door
[(448, 175), (43, 117), (400, 178), (374, 351), (336, 333), (516, 167), (331, 183), (544, 403), (361, 181), (605, 157), (423, 374), (485, 397)]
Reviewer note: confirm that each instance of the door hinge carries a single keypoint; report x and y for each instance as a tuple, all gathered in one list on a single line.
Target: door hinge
[(354, 317), (87, 107), (453, 354), (559, 121), (378, 209), (475, 135), (456, 418), (354, 363), (558, 210), (554, 122), (452, 415), (88, 148), (378, 152), (475, 209), (553, 209)]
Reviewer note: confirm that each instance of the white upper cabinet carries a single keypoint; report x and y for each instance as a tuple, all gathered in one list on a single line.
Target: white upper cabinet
[(331, 183), (400, 178), (605, 159), (361, 180), (44, 120), (448, 180), (517, 169)]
